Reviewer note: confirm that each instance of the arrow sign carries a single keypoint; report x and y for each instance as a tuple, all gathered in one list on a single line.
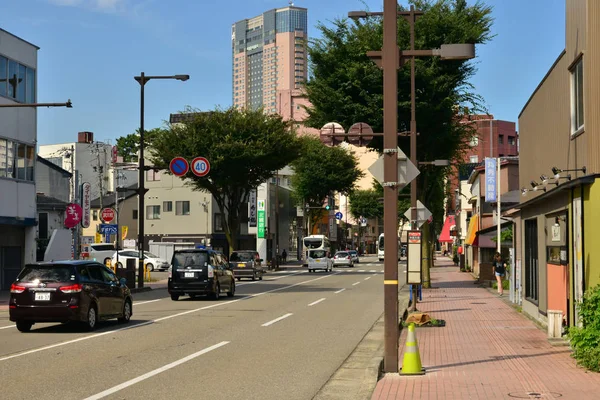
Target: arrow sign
[(338, 215), (423, 214), (407, 171)]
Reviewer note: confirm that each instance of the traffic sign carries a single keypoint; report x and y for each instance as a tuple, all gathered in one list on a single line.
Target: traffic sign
[(407, 171), (107, 214), (200, 166), (179, 166), (108, 229), (423, 214), (338, 215), (86, 201)]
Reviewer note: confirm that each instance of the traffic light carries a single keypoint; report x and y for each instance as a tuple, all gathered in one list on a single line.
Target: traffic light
[(327, 207)]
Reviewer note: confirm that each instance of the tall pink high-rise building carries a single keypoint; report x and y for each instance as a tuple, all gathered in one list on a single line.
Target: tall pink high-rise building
[(270, 61)]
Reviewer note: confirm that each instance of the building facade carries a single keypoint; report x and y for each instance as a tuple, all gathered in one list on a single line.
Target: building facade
[(18, 138), (558, 257)]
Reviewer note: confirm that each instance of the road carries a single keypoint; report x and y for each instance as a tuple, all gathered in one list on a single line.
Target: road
[(282, 337)]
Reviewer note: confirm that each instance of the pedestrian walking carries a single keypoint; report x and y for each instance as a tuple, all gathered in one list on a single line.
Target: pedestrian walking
[(284, 256), (499, 271)]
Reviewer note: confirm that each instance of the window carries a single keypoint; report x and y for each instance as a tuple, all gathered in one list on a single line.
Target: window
[(218, 222), (474, 141), (17, 160), (10, 159), (43, 226), (152, 212), (531, 261), (500, 139), (3, 154), (152, 176), (167, 206), (473, 159), (577, 97), (182, 208), (17, 81), (134, 214), (3, 76), (511, 140), (95, 215)]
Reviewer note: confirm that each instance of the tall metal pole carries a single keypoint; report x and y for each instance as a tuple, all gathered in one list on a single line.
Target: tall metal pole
[(413, 142), (141, 188), (390, 61), (277, 221), (117, 214), (498, 206)]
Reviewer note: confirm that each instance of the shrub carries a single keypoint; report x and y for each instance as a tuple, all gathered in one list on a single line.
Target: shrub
[(505, 285), (585, 340)]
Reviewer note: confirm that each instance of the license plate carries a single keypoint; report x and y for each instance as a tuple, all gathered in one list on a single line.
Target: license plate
[(242, 265), (318, 260), (42, 296), (189, 274)]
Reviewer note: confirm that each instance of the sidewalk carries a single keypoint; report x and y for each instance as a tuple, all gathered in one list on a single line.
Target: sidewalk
[(487, 350)]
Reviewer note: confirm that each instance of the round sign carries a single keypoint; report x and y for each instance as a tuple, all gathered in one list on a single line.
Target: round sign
[(200, 166), (73, 215), (179, 166), (107, 214)]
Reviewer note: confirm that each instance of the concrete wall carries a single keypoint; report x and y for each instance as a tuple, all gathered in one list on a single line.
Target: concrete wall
[(52, 182)]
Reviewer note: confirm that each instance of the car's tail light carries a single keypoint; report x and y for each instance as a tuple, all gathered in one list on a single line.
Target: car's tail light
[(211, 272), (170, 273), (348, 257), (76, 288), (17, 288)]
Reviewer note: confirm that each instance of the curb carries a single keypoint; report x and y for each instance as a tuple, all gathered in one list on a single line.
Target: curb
[(141, 290), (358, 375)]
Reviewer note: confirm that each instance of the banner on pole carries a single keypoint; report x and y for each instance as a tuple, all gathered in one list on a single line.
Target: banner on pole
[(490, 180)]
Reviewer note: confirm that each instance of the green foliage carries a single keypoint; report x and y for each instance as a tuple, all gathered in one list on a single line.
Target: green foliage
[(128, 146), (321, 170), (585, 340), (506, 235), (244, 147), (366, 203), (505, 285)]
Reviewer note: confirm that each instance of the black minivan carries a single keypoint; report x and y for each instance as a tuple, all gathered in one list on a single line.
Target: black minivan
[(200, 272), (62, 291)]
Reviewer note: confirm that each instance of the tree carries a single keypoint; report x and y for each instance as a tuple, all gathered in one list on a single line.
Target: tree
[(128, 146), (366, 203), (321, 170), (244, 147), (347, 87)]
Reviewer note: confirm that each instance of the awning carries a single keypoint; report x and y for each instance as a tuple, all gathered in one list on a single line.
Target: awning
[(445, 235), (472, 231), (484, 241)]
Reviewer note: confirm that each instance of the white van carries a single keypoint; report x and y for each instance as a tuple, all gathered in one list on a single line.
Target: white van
[(102, 252), (319, 259)]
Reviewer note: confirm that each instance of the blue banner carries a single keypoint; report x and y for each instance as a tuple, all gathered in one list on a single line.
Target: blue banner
[(490, 180)]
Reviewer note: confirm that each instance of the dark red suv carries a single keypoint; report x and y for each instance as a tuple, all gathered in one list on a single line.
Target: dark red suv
[(63, 291)]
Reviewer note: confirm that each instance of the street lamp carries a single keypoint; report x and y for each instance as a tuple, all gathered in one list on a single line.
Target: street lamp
[(68, 104), (390, 58), (142, 79)]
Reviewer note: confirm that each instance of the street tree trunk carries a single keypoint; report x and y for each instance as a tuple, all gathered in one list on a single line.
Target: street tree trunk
[(426, 251)]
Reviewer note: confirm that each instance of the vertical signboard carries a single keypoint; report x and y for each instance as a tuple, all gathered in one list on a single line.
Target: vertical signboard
[(414, 258), (86, 202), (252, 209), (490, 180), (260, 217)]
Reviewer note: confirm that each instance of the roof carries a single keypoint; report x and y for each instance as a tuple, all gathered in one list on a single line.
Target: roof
[(49, 203), (21, 39), (53, 166), (65, 262), (109, 199), (583, 180)]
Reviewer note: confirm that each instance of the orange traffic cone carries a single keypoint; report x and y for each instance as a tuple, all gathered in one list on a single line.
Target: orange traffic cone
[(411, 364)]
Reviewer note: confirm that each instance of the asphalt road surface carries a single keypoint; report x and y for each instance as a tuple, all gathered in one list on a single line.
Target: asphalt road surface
[(282, 337)]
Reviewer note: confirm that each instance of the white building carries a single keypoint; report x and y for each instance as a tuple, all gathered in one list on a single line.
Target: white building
[(18, 137), (92, 160)]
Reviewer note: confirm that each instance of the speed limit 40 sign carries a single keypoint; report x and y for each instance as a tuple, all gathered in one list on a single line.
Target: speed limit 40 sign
[(200, 166)]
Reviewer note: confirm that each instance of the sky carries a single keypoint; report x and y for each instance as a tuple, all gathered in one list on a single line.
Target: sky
[(90, 50)]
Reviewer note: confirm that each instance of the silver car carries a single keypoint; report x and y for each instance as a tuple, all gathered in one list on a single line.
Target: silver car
[(354, 256), (343, 258)]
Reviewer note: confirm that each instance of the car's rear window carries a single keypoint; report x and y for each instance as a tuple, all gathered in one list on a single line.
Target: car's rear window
[(353, 252), (54, 273), (241, 256), (189, 259), (102, 247), (342, 254), (317, 253)]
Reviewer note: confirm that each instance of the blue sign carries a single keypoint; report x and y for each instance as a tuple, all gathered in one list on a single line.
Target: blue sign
[(490, 180), (338, 215), (108, 229)]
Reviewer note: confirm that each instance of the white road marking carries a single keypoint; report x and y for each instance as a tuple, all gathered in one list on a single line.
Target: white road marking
[(362, 270), (139, 303), (157, 320), (9, 326), (316, 302), (372, 270), (270, 279), (157, 371), (367, 278), (355, 283), (340, 291), (277, 319)]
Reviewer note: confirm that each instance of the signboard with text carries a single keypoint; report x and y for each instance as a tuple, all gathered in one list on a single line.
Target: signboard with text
[(490, 180), (252, 209), (414, 256), (260, 231), (86, 201)]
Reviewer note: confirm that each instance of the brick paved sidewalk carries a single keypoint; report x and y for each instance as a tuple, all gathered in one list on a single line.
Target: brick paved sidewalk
[(487, 350)]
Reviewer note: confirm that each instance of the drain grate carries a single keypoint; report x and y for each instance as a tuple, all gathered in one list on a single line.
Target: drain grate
[(535, 395)]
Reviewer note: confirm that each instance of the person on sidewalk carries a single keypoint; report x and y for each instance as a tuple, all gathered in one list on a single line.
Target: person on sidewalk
[(499, 271), (284, 256)]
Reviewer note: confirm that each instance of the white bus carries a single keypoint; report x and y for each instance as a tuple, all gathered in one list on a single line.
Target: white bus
[(314, 242), (381, 248)]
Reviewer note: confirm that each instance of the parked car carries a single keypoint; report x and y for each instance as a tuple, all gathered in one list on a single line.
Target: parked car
[(343, 258), (151, 261), (101, 252), (354, 256), (62, 291), (319, 259), (246, 264), (200, 272)]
